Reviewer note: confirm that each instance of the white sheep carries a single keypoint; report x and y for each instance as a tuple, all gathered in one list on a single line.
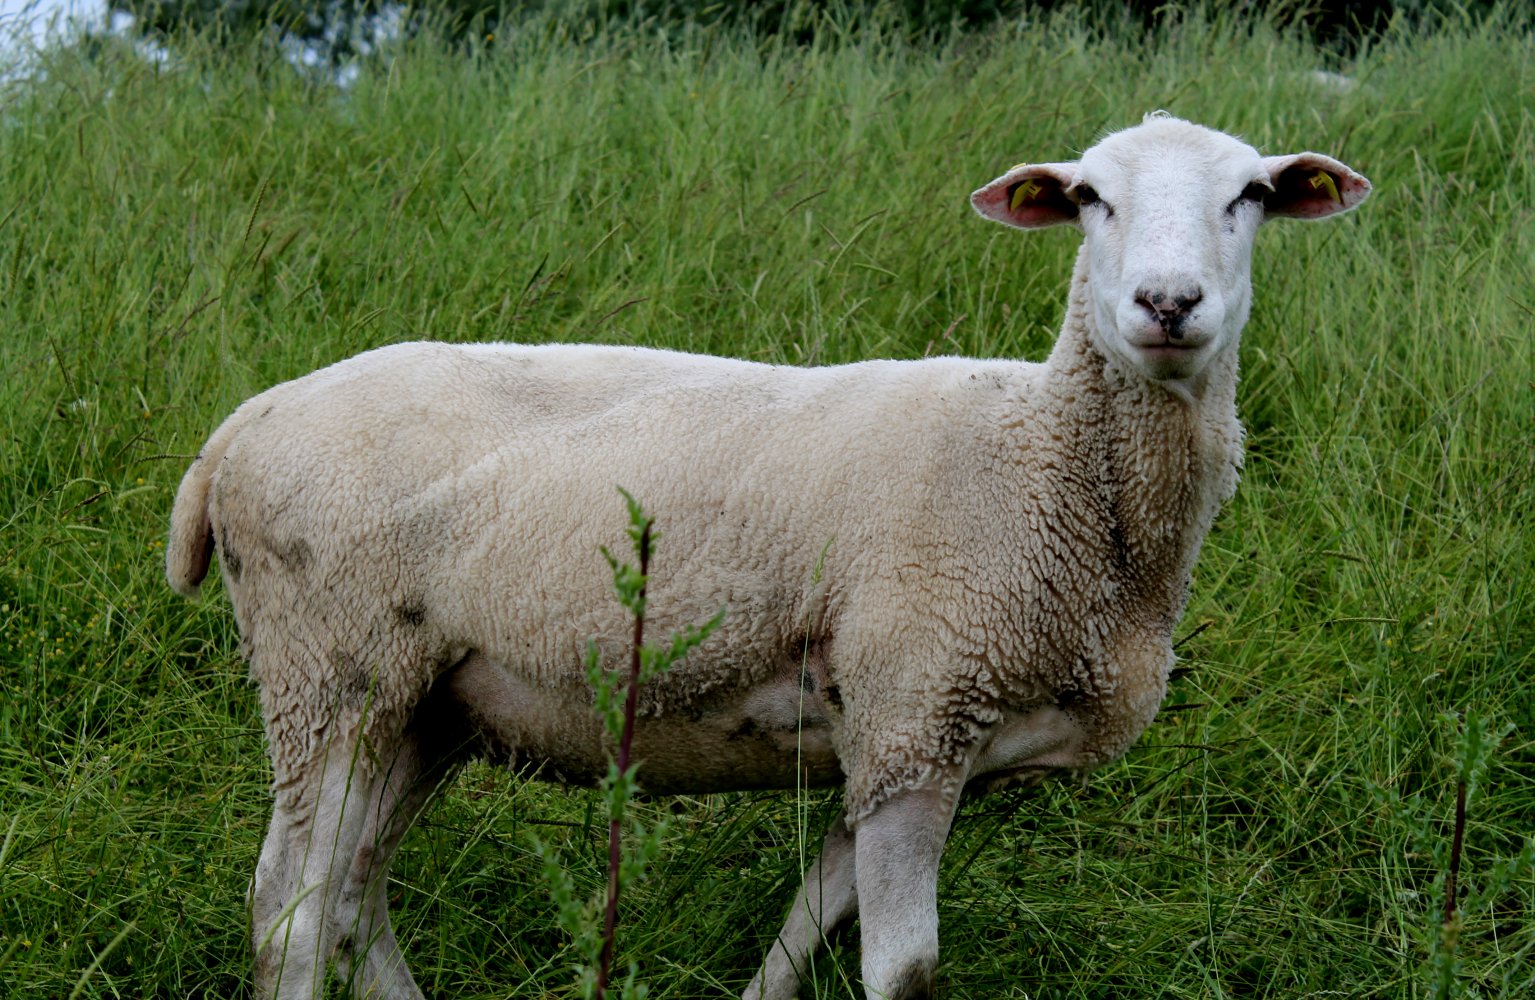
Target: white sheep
[(936, 573)]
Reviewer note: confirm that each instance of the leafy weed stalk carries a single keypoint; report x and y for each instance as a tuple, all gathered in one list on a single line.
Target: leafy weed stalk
[(1452, 899), (616, 703)]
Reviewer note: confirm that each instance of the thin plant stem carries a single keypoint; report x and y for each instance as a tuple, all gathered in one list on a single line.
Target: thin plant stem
[(1455, 848), (631, 706)]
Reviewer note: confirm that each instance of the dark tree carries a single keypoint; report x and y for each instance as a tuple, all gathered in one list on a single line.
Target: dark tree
[(342, 29)]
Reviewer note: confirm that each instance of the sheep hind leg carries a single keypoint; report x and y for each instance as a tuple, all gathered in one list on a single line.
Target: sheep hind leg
[(317, 824), (429, 754), (827, 897), (321, 886)]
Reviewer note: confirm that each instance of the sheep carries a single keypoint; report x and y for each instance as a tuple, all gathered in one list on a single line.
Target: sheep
[(938, 574)]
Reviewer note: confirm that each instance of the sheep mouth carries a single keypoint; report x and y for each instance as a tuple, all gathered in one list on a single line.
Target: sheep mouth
[(1169, 360), (1169, 349), (1178, 340)]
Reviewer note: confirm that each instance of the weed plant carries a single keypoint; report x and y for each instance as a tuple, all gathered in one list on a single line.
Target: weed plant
[(177, 235), (593, 924)]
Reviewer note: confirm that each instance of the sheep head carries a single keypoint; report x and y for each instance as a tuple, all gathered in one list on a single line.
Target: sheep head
[(1168, 211)]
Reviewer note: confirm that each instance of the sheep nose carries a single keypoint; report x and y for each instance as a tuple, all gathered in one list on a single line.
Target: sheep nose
[(1170, 308)]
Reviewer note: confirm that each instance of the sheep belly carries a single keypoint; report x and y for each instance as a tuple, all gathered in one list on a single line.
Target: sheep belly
[(771, 735)]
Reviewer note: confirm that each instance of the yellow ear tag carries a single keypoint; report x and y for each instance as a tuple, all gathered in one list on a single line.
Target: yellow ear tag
[(1324, 180), (1027, 191)]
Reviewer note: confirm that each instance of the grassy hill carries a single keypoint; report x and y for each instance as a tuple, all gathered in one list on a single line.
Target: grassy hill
[(176, 236)]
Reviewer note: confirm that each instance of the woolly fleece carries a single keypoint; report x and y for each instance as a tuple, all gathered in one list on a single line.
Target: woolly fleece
[(988, 535)]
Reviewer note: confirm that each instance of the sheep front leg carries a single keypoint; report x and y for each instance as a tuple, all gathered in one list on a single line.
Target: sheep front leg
[(898, 847), (827, 897)]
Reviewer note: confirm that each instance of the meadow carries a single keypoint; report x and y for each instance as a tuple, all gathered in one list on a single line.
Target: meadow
[(178, 235)]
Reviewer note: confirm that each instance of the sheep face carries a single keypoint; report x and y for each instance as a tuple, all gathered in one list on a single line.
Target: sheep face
[(1168, 211)]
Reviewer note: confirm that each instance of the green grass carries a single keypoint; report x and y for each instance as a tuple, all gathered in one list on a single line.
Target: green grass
[(176, 238)]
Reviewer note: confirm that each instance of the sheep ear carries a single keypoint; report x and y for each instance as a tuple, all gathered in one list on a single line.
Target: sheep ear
[(1029, 196), (1311, 186)]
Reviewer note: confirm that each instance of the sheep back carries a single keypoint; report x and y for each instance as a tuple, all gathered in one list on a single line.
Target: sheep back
[(939, 555)]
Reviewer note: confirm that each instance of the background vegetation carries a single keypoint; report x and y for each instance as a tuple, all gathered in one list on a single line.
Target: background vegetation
[(178, 234), (343, 28)]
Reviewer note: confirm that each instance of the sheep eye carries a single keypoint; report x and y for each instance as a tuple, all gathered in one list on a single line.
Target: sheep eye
[(1252, 193), (1087, 196)]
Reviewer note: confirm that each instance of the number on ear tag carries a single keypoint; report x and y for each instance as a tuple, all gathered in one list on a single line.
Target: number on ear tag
[(1324, 180), (1027, 191)]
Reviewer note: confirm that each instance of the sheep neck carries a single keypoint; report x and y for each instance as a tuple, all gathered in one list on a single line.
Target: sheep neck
[(1166, 459)]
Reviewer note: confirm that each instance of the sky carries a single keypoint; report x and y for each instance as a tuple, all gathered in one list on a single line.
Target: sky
[(32, 22), (30, 19)]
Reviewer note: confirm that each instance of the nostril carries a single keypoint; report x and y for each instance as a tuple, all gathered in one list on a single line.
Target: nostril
[(1154, 302), (1167, 307)]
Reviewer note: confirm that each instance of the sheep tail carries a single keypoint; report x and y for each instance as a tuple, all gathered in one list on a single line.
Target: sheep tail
[(189, 550)]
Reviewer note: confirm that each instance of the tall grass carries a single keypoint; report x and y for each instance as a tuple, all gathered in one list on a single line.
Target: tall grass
[(176, 236)]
